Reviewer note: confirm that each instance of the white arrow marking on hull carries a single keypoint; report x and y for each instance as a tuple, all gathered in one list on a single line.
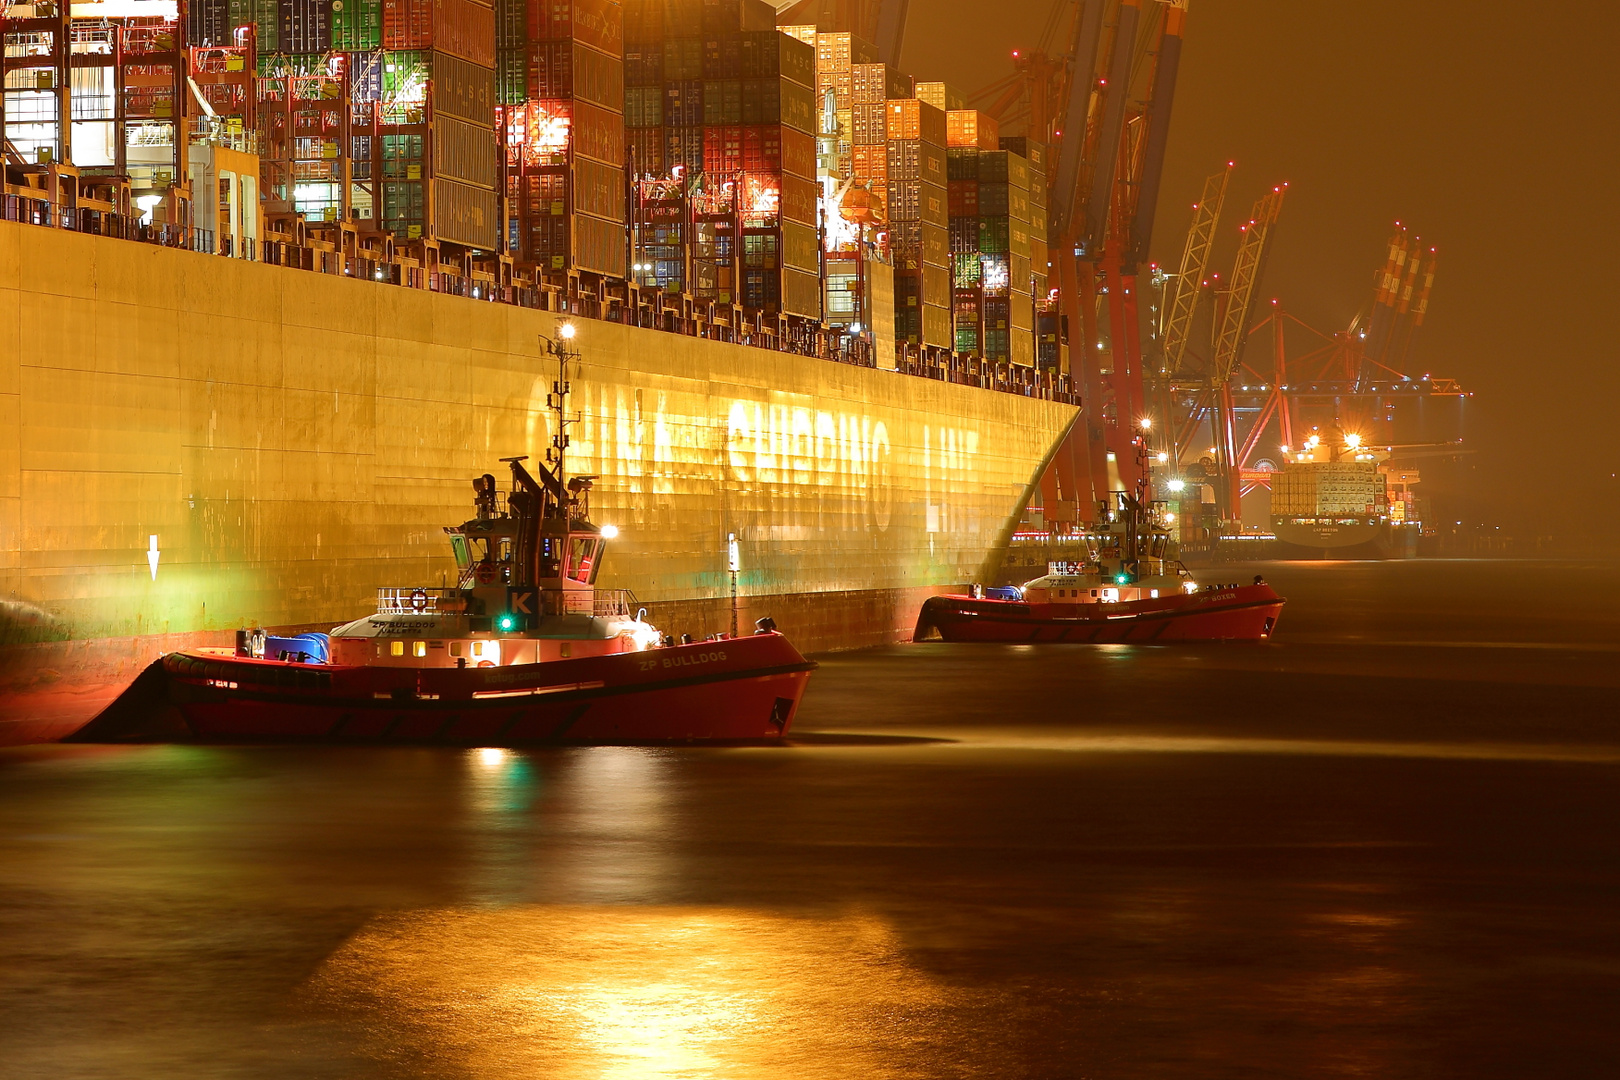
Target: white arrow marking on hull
[(152, 555)]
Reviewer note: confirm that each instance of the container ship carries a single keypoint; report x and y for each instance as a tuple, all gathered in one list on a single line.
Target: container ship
[(280, 272), (281, 284), (1343, 510)]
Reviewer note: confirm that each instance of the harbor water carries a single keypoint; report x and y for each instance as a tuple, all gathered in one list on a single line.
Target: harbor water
[(1382, 845)]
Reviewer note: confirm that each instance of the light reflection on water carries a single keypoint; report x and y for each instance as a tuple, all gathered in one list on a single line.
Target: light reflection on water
[(603, 837), (631, 992), (1180, 864)]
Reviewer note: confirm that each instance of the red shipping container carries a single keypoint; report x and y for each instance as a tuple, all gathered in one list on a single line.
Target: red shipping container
[(755, 137), (771, 148), (722, 150), (407, 24), (459, 27), (964, 198)]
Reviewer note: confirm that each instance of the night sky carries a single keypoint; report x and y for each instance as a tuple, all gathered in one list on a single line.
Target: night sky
[(1489, 127)]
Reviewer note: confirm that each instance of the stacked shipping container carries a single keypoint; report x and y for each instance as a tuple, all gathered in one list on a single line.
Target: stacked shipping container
[(380, 109), (918, 223), (837, 56), (992, 239), (873, 87), (677, 135), (560, 79), (941, 96), (720, 122), (1034, 154)]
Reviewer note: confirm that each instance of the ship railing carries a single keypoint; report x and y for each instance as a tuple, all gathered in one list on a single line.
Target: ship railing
[(417, 601), (787, 334), (604, 604)]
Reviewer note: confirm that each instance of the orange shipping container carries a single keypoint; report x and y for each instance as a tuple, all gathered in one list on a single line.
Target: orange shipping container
[(799, 200), (466, 29), (940, 96), (870, 162), (868, 127), (913, 119), (840, 83), (968, 127), (798, 153), (840, 52), (598, 133)]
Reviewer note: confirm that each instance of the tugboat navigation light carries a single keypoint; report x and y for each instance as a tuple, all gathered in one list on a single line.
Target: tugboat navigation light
[(608, 532), (507, 622)]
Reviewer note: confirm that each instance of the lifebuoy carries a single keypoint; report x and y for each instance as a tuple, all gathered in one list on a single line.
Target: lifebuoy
[(486, 573), (419, 599)]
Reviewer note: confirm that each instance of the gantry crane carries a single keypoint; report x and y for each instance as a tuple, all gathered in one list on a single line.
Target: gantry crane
[(1108, 136), (1232, 333), (1351, 380), (1190, 277)]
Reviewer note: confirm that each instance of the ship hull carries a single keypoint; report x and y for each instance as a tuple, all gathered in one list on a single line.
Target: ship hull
[(1241, 613), (736, 689), (190, 445), (1371, 540)]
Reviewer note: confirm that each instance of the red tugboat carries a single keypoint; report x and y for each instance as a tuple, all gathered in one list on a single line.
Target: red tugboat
[(524, 648), (1128, 590)]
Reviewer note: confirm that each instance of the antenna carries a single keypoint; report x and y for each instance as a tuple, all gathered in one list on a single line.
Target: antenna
[(557, 400)]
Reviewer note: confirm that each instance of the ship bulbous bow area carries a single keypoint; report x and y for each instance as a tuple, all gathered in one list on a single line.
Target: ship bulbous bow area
[(142, 713), (927, 627)]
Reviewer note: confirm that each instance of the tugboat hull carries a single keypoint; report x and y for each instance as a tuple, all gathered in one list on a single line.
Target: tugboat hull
[(1241, 613), (735, 689)]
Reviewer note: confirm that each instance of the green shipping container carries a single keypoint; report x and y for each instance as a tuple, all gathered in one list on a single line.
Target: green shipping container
[(511, 85), (241, 12), (356, 25), (404, 205), (267, 20)]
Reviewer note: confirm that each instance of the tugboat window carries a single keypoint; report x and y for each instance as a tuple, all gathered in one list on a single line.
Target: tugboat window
[(418, 648), (455, 648), (582, 559), (396, 648)]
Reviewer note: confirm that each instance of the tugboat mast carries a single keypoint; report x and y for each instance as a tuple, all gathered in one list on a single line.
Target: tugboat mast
[(557, 401)]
